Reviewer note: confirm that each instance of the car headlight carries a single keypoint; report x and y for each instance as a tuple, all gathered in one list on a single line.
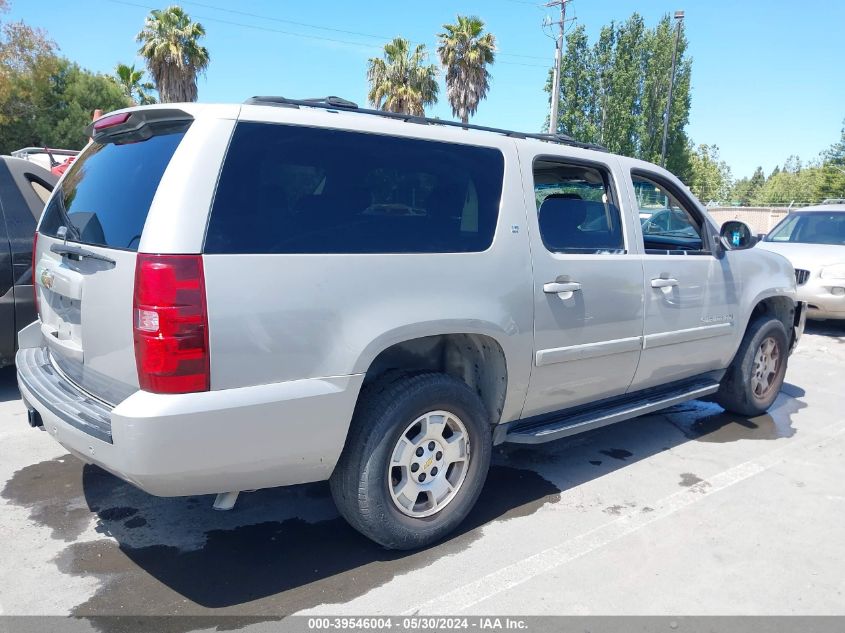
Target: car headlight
[(836, 271)]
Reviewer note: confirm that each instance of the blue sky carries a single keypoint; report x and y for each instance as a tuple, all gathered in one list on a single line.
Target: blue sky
[(768, 75)]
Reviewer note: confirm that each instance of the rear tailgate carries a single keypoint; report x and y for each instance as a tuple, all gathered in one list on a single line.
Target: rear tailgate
[(86, 250)]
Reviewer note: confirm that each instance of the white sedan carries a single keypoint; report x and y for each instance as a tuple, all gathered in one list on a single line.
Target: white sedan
[(813, 239)]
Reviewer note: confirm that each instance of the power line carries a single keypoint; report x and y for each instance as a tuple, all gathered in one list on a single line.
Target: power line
[(313, 26), (256, 27), (275, 19)]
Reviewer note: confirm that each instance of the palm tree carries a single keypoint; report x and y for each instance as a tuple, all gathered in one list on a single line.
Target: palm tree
[(401, 81), (132, 84), (465, 54), (170, 44)]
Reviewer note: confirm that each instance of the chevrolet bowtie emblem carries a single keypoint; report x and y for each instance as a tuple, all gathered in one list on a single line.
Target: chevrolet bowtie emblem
[(47, 278)]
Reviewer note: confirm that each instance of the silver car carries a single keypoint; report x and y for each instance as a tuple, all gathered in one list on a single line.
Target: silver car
[(813, 239), (234, 297)]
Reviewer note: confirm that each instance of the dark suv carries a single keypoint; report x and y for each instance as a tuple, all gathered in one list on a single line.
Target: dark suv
[(24, 188)]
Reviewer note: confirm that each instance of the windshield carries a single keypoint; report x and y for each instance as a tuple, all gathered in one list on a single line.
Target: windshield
[(105, 196), (811, 227)]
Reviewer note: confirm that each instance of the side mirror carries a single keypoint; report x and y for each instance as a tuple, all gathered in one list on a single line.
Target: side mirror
[(736, 236)]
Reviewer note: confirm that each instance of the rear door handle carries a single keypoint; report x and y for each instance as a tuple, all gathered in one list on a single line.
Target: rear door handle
[(662, 282), (556, 287)]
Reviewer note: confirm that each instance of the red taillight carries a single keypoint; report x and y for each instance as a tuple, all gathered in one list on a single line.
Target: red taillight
[(110, 121), (34, 273), (171, 324)]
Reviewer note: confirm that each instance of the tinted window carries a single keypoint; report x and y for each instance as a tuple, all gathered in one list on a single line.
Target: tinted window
[(668, 225), (812, 227), (286, 189), (107, 192), (575, 209)]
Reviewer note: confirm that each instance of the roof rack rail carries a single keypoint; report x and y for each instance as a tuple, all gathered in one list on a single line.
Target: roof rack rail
[(338, 103)]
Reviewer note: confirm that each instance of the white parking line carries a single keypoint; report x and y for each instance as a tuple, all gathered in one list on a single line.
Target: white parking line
[(518, 573)]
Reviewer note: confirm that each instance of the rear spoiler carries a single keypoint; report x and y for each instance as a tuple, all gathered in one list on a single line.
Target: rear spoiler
[(135, 125)]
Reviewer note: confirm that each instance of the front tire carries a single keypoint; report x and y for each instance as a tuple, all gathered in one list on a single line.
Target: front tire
[(755, 376), (415, 460)]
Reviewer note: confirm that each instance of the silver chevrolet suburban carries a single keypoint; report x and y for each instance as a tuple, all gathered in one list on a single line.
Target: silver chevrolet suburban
[(234, 297)]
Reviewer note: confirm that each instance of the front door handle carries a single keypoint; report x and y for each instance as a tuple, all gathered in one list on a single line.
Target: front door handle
[(662, 282), (557, 287)]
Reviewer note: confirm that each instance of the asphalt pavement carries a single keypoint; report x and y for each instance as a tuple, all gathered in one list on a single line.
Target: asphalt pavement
[(689, 511)]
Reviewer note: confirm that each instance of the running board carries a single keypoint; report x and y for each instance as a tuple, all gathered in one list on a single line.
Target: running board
[(548, 428)]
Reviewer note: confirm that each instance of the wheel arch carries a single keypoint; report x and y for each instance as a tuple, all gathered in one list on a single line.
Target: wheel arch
[(782, 307), (476, 358)]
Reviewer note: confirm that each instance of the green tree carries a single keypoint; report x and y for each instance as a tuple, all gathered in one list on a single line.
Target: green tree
[(792, 164), (69, 104), (658, 48), (27, 60), (401, 81), (836, 153), (59, 106), (788, 187), (602, 61), (758, 180), (131, 81), (465, 52), (577, 88), (46, 100), (615, 92), (745, 191), (831, 183), (624, 88), (170, 44), (710, 176)]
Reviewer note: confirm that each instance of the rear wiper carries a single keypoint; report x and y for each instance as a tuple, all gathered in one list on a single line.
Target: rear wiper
[(79, 252), (70, 227)]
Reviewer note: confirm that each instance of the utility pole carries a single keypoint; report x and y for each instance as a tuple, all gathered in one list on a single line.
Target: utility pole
[(558, 57), (679, 18)]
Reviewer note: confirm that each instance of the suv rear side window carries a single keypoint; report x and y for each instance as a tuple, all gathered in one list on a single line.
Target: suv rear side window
[(291, 189), (106, 194)]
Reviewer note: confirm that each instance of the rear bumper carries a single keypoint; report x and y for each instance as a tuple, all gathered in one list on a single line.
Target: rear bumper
[(198, 443)]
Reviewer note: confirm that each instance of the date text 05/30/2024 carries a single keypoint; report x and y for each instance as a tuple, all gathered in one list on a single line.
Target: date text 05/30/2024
[(415, 623)]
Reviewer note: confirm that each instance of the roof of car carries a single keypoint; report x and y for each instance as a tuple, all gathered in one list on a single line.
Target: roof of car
[(23, 173), (21, 166), (336, 104), (821, 207)]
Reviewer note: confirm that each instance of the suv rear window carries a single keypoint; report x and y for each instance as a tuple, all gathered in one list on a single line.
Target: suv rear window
[(291, 189), (106, 194)]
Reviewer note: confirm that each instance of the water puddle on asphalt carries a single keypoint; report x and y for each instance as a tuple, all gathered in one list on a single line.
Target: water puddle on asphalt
[(707, 422), (284, 550), (178, 556), (52, 490)]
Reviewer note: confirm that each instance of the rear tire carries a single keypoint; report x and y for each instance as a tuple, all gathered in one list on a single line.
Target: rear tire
[(755, 376), (415, 460)]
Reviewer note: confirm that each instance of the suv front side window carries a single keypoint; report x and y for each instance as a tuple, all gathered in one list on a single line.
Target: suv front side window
[(669, 226)]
